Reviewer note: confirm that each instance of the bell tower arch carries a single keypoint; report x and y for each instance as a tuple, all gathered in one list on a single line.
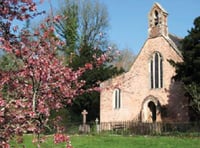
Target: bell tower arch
[(157, 21)]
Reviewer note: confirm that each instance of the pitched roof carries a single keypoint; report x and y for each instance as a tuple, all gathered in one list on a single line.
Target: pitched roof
[(175, 42), (158, 5)]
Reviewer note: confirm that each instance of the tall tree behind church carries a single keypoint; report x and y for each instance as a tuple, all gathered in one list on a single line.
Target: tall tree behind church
[(68, 27), (84, 31), (189, 70), (86, 22)]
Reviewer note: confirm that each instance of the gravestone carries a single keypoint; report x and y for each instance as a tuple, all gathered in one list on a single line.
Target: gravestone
[(84, 113), (97, 125), (84, 128)]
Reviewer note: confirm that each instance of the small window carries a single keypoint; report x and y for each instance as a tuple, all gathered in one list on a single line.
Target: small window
[(156, 18), (117, 99)]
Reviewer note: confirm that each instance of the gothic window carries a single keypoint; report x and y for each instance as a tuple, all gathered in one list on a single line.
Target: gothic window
[(156, 71), (117, 99), (156, 18)]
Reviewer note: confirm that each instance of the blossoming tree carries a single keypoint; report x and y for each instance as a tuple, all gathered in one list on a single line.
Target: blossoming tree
[(41, 82)]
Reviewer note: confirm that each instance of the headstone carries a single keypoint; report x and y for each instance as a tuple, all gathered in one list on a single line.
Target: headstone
[(84, 113), (97, 125), (84, 128)]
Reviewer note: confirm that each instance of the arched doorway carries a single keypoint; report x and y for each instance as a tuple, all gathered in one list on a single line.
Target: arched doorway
[(152, 108), (150, 111)]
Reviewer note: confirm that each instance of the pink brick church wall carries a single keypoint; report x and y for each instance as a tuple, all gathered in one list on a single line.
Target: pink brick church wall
[(135, 87)]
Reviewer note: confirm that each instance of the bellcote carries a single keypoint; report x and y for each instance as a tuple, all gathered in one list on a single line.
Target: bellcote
[(157, 21)]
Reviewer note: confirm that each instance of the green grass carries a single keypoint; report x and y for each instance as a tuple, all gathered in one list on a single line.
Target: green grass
[(133, 142), (27, 142), (112, 141)]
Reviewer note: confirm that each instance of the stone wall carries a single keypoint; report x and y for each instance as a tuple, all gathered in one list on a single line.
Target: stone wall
[(135, 87)]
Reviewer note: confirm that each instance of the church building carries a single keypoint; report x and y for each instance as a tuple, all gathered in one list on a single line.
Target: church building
[(148, 92)]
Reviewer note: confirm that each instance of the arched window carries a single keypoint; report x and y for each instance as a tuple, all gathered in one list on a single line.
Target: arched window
[(156, 71), (117, 99), (156, 18)]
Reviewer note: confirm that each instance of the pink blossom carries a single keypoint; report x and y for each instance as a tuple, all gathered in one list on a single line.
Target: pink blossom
[(57, 18), (2, 102), (88, 66)]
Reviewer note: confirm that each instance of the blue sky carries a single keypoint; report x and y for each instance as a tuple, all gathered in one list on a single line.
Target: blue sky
[(129, 23)]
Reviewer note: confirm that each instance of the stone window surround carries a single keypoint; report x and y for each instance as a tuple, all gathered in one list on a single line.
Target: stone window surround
[(117, 98)]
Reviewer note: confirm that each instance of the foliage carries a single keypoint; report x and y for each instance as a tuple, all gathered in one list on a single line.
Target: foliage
[(188, 71), (90, 100), (41, 82), (194, 92), (84, 31), (11, 10), (85, 23), (9, 62), (67, 28)]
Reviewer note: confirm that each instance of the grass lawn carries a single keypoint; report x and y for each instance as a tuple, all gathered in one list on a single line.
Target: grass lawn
[(112, 141)]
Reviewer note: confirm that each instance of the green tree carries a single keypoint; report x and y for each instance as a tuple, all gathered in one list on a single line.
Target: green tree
[(84, 31), (85, 23), (188, 71), (67, 28), (91, 100), (9, 62)]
